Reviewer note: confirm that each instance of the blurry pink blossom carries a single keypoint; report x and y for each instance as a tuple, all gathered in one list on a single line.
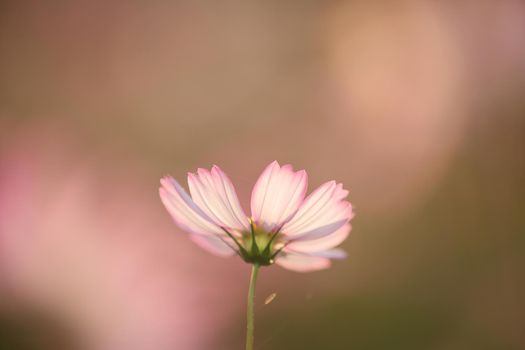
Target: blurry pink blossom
[(92, 253), (401, 89), (297, 233)]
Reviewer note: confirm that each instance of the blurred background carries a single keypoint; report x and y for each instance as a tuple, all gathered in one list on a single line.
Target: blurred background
[(418, 107)]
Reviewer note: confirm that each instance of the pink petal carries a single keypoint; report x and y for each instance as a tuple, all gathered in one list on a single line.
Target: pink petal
[(319, 232), (336, 253), (277, 194), (322, 213), (186, 214), (302, 263), (214, 245), (214, 193), (327, 242)]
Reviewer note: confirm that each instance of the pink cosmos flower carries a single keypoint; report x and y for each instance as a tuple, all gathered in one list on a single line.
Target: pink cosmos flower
[(298, 233)]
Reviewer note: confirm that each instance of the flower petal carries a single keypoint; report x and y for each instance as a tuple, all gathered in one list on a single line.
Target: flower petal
[(302, 263), (186, 214), (336, 253), (321, 214), (214, 193), (324, 243), (214, 245), (277, 195)]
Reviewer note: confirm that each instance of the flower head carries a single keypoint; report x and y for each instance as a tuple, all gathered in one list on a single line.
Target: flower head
[(295, 232)]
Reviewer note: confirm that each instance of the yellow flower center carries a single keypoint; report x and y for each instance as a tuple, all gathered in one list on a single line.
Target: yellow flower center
[(258, 246)]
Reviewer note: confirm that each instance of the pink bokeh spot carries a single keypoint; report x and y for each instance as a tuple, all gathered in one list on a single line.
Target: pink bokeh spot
[(95, 254)]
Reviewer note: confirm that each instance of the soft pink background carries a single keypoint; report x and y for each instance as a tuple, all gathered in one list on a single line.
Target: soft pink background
[(416, 106)]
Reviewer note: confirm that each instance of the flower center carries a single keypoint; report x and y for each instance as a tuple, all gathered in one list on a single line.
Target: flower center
[(258, 246)]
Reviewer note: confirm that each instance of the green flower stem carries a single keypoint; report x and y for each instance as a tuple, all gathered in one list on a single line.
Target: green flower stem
[(250, 314)]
